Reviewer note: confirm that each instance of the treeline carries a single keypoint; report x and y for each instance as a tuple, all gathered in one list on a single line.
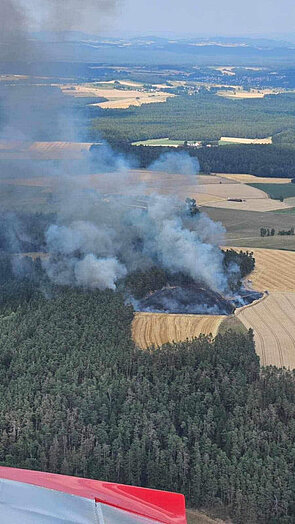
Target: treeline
[(260, 160), (266, 232), (243, 260), (77, 397)]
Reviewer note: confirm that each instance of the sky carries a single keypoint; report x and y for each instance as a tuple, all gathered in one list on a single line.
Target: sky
[(179, 17), (220, 17)]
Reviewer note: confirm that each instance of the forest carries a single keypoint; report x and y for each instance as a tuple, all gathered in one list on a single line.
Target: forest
[(201, 417), (203, 116)]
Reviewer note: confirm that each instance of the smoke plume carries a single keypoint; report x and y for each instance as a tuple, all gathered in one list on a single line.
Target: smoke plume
[(102, 235), (72, 15), (177, 163), (107, 228)]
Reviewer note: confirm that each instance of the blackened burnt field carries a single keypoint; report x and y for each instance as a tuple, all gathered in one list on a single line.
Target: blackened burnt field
[(194, 299), (156, 291)]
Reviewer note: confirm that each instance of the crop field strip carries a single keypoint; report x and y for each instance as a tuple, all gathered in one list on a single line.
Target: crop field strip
[(115, 98), (235, 140), (240, 93), (272, 318), (275, 270), (251, 179), (156, 329)]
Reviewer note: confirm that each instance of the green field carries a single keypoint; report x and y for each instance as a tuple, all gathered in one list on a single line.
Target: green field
[(276, 191), (161, 142)]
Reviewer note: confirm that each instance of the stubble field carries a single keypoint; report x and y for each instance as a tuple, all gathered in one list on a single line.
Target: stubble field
[(115, 98), (156, 329), (234, 140), (272, 318)]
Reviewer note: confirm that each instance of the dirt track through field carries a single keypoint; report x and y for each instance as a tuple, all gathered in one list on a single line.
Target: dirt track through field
[(156, 329), (273, 318)]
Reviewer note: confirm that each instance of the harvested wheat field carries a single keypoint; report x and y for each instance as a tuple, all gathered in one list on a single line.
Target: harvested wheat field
[(239, 93), (251, 179), (237, 196), (274, 271), (115, 98), (156, 329), (236, 140), (272, 318)]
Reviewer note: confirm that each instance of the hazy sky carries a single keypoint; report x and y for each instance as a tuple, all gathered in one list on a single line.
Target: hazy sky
[(223, 17)]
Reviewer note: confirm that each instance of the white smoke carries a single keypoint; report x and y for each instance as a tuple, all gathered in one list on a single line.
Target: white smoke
[(177, 163), (82, 236), (102, 273), (180, 249), (112, 237)]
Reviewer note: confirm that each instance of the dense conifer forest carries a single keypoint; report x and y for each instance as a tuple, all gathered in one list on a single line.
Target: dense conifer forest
[(200, 417)]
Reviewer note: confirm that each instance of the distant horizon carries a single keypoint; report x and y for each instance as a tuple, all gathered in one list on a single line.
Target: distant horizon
[(286, 37), (188, 19)]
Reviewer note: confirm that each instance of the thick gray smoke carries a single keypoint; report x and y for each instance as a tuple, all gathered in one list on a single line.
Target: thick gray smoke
[(103, 237), (71, 15), (20, 17)]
